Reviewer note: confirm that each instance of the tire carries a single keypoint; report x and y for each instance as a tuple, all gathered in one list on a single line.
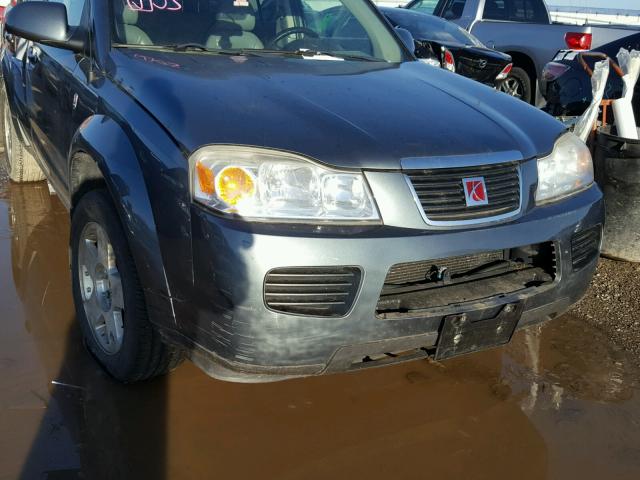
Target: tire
[(109, 299), (518, 85), (18, 162)]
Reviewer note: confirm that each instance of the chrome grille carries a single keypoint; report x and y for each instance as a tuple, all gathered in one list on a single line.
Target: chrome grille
[(441, 193), (317, 291)]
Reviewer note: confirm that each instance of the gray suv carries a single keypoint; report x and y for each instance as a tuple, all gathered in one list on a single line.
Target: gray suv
[(278, 188)]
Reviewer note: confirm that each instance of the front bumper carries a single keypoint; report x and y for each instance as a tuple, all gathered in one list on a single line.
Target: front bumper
[(234, 336)]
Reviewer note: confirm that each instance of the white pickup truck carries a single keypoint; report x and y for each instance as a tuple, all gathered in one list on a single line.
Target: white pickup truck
[(524, 30)]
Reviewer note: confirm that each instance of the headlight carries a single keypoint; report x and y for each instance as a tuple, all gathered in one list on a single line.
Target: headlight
[(258, 183), (566, 171)]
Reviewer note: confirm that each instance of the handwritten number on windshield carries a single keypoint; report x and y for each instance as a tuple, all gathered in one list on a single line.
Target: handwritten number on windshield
[(151, 5)]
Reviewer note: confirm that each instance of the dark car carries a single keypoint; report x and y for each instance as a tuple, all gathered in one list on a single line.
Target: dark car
[(523, 29), (445, 44), (566, 85), (278, 193)]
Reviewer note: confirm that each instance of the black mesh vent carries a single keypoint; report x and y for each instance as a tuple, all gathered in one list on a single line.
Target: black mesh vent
[(585, 247), (441, 193), (416, 286), (317, 291), (411, 272)]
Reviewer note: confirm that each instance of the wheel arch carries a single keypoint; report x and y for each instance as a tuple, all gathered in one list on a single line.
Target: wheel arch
[(84, 175), (102, 156), (525, 62)]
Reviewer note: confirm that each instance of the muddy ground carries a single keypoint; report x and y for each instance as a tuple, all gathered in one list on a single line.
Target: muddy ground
[(613, 304), (560, 401)]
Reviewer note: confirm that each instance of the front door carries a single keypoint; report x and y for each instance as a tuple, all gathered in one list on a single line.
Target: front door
[(51, 93)]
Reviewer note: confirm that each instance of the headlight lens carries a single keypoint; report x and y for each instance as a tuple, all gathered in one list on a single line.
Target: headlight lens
[(264, 184), (568, 170)]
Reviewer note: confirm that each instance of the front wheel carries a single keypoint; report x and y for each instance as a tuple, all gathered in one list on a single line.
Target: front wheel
[(518, 85), (109, 300)]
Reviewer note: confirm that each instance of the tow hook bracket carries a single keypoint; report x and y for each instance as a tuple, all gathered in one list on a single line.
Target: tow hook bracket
[(462, 335)]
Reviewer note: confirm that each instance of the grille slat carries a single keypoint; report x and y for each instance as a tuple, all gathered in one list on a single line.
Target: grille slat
[(458, 208), (306, 275), (585, 247), (463, 216), (506, 197), (441, 193), (300, 304), (319, 291), (308, 285), (496, 169), (441, 181), (307, 294), (454, 190)]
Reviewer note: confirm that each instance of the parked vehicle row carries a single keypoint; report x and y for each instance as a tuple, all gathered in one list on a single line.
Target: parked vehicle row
[(524, 30), (279, 189), (446, 45)]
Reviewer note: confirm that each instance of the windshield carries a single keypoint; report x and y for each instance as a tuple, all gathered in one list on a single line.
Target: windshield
[(423, 6), (340, 28), (428, 27)]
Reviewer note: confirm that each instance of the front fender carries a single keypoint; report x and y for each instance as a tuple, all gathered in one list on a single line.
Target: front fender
[(122, 166)]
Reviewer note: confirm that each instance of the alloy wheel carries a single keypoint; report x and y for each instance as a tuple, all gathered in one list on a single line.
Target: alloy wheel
[(512, 86), (101, 288)]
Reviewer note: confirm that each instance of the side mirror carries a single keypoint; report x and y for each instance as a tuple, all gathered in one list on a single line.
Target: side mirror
[(42, 22), (407, 38)]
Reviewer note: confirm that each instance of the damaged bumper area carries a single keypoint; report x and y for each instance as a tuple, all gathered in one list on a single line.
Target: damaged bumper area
[(296, 301)]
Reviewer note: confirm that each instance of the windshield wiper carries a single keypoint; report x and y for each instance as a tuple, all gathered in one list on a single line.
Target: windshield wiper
[(301, 52), (310, 53), (183, 47), (345, 56)]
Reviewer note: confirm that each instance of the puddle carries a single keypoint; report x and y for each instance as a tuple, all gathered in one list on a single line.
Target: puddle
[(558, 402)]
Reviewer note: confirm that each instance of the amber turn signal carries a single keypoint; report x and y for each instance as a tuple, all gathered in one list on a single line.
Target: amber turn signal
[(206, 179)]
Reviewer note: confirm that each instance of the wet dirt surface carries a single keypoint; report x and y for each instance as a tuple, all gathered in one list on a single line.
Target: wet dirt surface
[(613, 303), (561, 401)]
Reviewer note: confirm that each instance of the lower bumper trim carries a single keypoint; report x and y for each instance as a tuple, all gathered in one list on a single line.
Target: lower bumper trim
[(381, 353)]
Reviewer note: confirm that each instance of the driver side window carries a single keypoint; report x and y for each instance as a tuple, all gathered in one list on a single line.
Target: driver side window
[(454, 9), (495, 10)]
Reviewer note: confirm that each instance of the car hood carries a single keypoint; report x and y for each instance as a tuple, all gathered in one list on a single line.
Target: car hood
[(351, 114)]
